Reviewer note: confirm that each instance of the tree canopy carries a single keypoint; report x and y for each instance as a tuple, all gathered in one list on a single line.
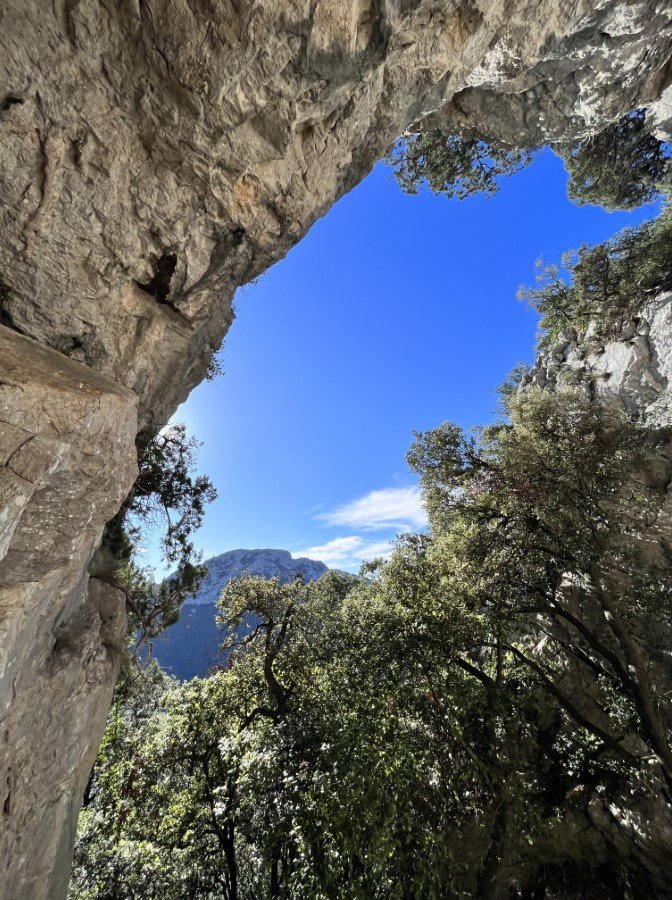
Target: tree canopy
[(621, 167), (449, 724)]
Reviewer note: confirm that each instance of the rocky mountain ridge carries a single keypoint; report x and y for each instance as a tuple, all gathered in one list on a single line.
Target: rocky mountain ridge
[(266, 563)]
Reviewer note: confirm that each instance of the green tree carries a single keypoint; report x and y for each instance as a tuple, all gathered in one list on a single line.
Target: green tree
[(621, 167), (550, 534), (454, 165), (169, 501)]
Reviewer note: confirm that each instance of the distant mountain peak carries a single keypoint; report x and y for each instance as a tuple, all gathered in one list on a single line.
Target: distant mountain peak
[(267, 562), (189, 647)]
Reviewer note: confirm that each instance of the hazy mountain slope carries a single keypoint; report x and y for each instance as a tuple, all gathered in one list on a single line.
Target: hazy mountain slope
[(188, 648)]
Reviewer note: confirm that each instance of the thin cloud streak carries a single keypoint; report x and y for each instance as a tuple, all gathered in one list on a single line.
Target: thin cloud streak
[(346, 552), (398, 508)]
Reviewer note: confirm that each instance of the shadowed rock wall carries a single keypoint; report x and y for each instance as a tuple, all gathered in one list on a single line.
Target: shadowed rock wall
[(66, 463), (154, 156)]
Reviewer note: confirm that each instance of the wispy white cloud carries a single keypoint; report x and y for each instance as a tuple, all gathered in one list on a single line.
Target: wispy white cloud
[(392, 508), (346, 552)]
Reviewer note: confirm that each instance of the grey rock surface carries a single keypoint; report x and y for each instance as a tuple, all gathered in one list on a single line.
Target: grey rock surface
[(265, 563), (65, 465), (154, 156), (573, 85), (632, 369)]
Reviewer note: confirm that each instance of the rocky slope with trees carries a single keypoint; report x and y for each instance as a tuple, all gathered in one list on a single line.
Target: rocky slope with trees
[(156, 155), (486, 715)]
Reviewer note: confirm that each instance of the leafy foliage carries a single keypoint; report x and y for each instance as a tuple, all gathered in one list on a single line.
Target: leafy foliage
[(454, 165), (621, 167), (536, 516), (167, 497), (215, 366), (106, 863), (437, 728), (604, 285), (165, 487)]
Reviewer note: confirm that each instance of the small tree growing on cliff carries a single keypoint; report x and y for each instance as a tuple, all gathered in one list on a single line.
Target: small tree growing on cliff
[(454, 165), (167, 498), (621, 167), (604, 284)]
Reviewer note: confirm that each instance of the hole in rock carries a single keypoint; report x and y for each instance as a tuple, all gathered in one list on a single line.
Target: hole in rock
[(159, 285), (10, 100)]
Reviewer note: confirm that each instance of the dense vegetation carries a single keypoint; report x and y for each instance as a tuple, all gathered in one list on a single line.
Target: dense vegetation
[(450, 725), (487, 714)]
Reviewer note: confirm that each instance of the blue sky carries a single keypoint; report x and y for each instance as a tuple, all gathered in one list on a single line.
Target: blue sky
[(393, 314)]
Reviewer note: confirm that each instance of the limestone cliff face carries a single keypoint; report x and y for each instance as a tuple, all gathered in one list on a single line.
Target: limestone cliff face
[(632, 368), (155, 155), (66, 462)]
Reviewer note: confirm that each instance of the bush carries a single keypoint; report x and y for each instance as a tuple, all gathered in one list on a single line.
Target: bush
[(454, 165), (605, 284)]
